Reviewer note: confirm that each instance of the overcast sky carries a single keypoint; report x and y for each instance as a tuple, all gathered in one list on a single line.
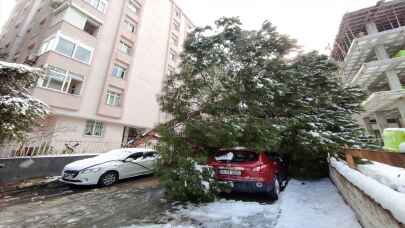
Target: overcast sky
[(313, 23)]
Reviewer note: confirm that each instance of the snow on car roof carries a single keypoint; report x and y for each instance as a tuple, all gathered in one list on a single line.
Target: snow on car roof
[(132, 150)]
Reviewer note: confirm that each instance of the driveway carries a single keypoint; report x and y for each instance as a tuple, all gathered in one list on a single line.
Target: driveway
[(140, 202)]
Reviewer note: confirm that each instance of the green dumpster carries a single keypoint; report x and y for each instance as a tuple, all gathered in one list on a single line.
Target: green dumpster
[(393, 137)]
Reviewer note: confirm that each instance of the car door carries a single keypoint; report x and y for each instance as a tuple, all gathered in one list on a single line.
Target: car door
[(149, 161), (129, 168)]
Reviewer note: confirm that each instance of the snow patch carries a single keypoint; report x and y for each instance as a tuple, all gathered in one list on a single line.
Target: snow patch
[(226, 157), (390, 176), (384, 195)]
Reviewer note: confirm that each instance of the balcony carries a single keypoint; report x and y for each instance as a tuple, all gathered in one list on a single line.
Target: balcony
[(382, 101), (362, 49), (69, 30), (88, 10), (57, 99), (373, 72)]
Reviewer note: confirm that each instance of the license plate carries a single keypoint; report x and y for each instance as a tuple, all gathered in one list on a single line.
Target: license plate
[(230, 172)]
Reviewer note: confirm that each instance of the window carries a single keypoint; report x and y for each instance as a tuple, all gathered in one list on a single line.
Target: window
[(62, 80), (55, 79), (100, 5), (113, 98), (130, 26), (172, 55), (170, 70), (91, 27), (178, 13), (124, 47), (79, 20), (65, 47), (94, 128), (133, 6), (82, 54), (119, 71), (176, 25), (175, 40), (68, 48)]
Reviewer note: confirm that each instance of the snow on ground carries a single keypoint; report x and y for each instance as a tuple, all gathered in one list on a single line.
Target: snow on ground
[(389, 199), (390, 176), (314, 204)]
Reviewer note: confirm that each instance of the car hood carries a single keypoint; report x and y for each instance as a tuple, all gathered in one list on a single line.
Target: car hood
[(86, 163)]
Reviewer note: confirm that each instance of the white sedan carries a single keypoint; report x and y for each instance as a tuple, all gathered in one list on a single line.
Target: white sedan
[(108, 168)]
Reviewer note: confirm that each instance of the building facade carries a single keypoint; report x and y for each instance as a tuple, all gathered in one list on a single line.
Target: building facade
[(370, 49), (105, 60)]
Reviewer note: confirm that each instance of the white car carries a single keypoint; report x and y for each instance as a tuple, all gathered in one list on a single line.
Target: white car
[(108, 168)]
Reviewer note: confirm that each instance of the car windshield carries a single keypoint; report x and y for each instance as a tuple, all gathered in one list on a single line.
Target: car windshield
[(236, 156)]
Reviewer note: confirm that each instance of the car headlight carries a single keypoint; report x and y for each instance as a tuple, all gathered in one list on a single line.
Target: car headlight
[(90, 170)]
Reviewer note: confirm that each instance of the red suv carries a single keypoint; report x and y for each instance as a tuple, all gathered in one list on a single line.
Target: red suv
[(251, 172)]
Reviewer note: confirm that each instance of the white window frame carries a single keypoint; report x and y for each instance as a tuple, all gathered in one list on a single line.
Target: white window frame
[(128, 46), (113, 98), (170, 70), (94, 124), (171, 54), (134, 6), (67, 79), (129, 23), (176, 25), (175, 40), (51, 43), (98, 4), (125, 70)]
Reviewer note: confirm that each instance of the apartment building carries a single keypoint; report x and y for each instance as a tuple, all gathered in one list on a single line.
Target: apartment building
[(105, 60), (368, 48)]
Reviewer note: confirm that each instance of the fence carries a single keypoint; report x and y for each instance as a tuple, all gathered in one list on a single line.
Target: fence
[(54, 147), (394, 159)]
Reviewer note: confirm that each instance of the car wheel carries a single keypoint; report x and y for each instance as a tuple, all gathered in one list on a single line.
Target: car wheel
[(108, 179), (275, 192), (284, 184)]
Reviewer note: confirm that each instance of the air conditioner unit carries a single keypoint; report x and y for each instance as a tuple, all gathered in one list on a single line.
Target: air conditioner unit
[(31, 59)]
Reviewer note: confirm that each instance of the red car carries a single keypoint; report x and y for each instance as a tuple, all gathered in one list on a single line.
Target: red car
[(250, 172)]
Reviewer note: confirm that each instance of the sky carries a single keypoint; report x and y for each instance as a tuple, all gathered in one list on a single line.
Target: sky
[(314, 23)]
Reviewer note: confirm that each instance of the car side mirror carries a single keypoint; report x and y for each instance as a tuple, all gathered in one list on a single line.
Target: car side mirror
[(129, 160)]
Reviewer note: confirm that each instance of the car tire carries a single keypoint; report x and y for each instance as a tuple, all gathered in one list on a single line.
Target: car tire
[(283, 183), (275, 191), (107, 179)]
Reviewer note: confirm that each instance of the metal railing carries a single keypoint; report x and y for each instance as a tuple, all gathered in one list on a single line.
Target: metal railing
[(54, 147)]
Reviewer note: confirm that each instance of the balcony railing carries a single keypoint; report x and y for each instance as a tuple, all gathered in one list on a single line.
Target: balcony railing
[(362, 49)]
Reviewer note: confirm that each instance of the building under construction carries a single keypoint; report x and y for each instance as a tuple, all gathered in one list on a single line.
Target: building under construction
[(370, 49)]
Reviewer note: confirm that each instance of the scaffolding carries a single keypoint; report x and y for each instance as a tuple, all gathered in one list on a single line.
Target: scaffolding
[(386, 15)]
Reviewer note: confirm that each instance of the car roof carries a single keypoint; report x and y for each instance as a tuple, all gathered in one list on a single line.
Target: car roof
[(135, 150), (237, 149)]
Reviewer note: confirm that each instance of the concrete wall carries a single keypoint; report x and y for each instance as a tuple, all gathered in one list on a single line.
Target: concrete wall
[(369, 213), (16, 169)]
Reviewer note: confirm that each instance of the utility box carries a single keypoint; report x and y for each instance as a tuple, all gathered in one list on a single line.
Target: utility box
[(393, 138)]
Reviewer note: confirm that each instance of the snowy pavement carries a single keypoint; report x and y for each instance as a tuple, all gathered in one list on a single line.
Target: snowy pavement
[(314, 204), (139, 203)]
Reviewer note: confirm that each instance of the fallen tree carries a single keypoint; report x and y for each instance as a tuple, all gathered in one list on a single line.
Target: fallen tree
[(237, 87)]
